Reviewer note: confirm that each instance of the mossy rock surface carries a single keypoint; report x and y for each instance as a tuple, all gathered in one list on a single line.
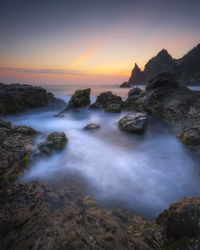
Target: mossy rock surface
[(134, 122), (59, 140), (113, 108)]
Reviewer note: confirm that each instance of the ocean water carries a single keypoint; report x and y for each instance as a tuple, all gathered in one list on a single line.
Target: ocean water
[(143, 173)]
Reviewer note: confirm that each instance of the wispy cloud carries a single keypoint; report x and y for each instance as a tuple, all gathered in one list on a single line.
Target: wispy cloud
[(44, 71)]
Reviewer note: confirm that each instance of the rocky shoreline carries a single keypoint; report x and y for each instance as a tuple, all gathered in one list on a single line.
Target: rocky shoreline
[(62, 215)]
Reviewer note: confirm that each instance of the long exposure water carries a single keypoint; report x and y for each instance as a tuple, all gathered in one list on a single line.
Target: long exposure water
[(143, 173)]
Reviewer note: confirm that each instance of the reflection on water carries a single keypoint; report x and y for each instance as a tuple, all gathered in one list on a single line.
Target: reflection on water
[(143, 173)]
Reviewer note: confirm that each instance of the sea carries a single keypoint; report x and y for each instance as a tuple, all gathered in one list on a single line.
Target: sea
[(141, 173)]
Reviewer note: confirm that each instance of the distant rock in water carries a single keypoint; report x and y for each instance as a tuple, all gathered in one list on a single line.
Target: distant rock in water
[(186, 68), (125, 85), (81, 98), (92, 126), (16, 98)]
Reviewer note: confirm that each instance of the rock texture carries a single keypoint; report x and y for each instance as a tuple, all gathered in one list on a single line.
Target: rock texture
[(15, 98), (134, 123), (81, 98), (105, 99), (92, 126), (16, 148), (113, 108), (186, 68)]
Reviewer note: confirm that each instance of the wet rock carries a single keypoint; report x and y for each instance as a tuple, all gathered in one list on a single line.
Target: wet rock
[(81, 98), (92, 126), (113, 107), (96, 105), (59, 140), (16, 98), (16, 147), (46, 147), (190, 135), (134, 123), (107, 98), (134, 92), (181, 221)]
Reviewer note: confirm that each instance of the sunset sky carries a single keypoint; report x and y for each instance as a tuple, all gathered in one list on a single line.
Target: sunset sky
[(97, 42)]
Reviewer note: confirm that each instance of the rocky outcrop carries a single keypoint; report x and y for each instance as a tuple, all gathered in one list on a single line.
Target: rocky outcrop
[(134, 123), (105, 99), (16, 98), (16, 148), (186, 68), (81, 98), (125, 85), (113, 108), (62, 216), (180, 224), (134, 92), (92, 126)]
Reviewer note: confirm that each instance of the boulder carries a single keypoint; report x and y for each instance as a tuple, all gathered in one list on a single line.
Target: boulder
[(16, 98), (81, 98), (59, 140), (113, 107), (92, 126), (107, 98), (96, 105), (134, 122), (190, 135), (181, 220), (134, 92)]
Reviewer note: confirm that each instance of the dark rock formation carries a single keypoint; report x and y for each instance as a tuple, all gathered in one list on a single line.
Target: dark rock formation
[(137, 76), (92, 126), (105, 99), (113, 108), (180, 224), (16, 148), (81, 98), (125, 85), (134, 123), (186, 68), (134, 92), (59, 140), (17, 97)]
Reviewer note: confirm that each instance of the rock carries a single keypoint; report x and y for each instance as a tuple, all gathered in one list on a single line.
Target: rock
[(16, 148), (81, 98), (16, 98), (113, 107), (107, 98), (134, 123), (162, 80), (59, 140), (92, 126), (46, 147), (181, 220), (125, 85), (190, 135), (137, 76), (60, 216), (96, 105), (134, 92)]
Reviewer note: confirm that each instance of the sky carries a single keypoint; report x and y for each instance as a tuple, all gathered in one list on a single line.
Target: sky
[(90, 41)]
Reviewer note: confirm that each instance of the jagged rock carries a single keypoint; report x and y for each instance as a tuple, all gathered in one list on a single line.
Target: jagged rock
[(113, 107), (59, 140), (19, 97), (107, 98), (16, 148), (134, 123), (92, 126), (81, 98), (181, 221), (125, 85), (134, 92), (137, 76)]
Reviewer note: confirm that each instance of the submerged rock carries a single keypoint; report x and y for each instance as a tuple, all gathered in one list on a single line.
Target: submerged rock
[(16, 98), (81, 98), (59, 140), (113, 107), (92, 126), (134, 123)]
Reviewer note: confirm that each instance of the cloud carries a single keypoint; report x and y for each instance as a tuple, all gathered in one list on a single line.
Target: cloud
[(44, 71)]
